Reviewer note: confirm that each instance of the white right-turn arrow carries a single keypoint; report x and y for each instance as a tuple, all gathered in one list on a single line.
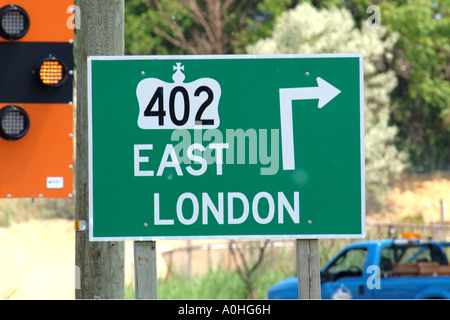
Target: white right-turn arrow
[(325, 92)]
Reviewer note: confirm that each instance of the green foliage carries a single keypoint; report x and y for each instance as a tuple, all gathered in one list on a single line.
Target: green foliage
[(215, 285), (141, 17), (218, 284), (424, 27), (422, 65), (334, 31)]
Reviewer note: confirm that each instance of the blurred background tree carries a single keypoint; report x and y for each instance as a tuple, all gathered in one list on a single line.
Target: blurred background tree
[(421, 107), (185, 26), (198, 26)]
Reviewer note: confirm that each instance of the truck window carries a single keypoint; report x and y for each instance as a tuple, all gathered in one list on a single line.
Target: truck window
[(409, 254), (349, 264)]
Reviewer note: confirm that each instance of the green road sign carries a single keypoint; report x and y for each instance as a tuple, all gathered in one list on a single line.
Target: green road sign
[(237, 146)]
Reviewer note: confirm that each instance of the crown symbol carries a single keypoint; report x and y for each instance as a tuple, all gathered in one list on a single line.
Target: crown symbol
[(178, 76), (178, 105)]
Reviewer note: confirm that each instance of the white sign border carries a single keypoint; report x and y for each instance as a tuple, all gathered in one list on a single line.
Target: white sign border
[(222, 57)]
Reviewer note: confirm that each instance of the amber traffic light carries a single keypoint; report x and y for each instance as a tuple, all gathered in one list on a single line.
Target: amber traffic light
[(52, 72)]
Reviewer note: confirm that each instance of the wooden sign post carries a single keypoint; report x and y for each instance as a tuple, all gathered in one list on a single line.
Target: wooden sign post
[(145, 275), (308, 268), (101, 264)]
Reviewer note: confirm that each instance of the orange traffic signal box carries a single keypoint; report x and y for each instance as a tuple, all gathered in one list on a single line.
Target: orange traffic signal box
[(36, 98)]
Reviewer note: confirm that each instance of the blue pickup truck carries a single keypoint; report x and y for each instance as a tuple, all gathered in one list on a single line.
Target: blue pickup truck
[(381, 269)]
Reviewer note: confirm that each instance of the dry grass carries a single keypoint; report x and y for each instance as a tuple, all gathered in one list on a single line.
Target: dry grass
[(417, 199)]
